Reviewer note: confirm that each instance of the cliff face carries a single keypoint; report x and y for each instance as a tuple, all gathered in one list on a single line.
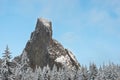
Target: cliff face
[(41, 49), (37, 46)]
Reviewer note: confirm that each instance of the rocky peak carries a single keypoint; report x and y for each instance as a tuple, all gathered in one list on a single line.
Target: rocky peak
[(42, 31), (43, 22), (42, 50), (37, 47)]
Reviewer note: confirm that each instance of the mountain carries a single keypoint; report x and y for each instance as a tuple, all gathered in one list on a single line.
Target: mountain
[(43, 50), (43, 58)]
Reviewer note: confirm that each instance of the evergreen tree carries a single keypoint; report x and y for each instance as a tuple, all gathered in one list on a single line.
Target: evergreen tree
[(5, 66), (83, 73), (92, 71)]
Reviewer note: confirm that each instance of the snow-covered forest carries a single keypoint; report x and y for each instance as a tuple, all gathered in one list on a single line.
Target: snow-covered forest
[(13, 70)]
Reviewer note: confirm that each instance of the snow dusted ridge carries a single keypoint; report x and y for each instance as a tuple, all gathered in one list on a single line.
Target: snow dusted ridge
[(72, 56), (66, 60)]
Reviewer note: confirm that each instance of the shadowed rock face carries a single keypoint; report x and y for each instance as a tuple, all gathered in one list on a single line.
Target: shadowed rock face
[(42, 49), (37, 47)]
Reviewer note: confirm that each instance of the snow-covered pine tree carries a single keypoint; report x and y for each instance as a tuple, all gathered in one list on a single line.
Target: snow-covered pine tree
[(83, 74), (92, 71), (26, 70), (46, 73), (110, 72), (100, 74), (54, 73), (5, 66)]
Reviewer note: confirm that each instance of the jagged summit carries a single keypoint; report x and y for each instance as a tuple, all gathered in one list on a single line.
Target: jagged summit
[(45, 22), (42, 50), (41, 22), (43, 27)]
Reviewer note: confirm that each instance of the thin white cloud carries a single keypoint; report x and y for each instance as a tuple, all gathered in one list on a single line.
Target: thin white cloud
[(105, 14), (96, 17), (112, 5), (69, 38)]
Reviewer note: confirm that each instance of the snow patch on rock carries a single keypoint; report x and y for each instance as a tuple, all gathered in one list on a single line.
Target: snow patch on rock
[(45, 22)]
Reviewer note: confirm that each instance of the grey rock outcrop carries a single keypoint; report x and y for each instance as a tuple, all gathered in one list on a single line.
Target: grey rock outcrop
[(42, 50)]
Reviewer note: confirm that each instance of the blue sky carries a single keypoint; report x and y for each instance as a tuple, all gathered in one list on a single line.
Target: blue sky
[(89, 28)]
